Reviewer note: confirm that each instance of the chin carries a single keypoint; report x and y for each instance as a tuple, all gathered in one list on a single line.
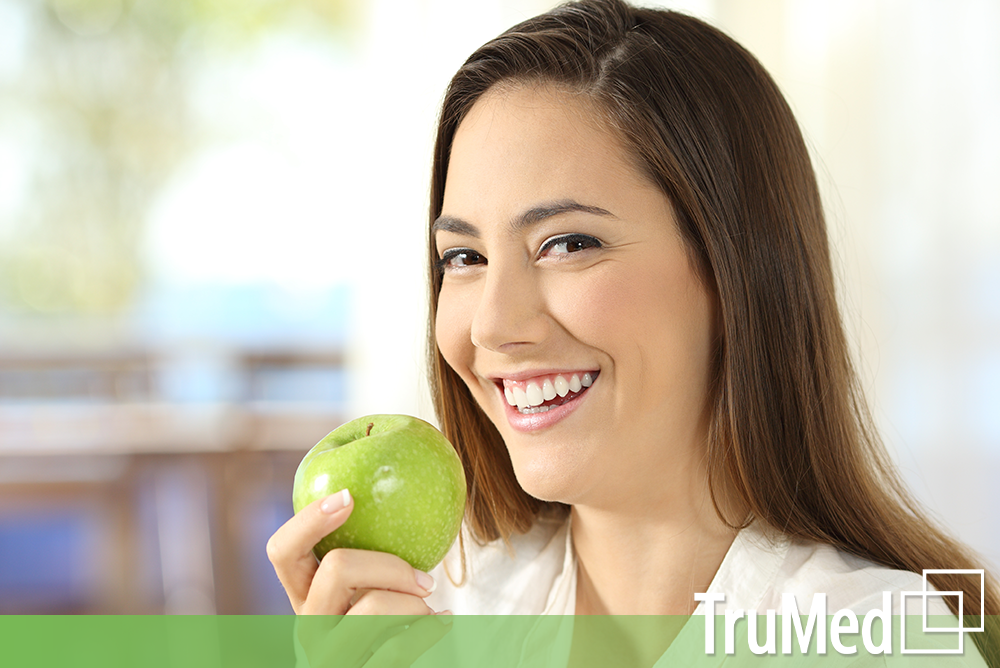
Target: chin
[(548, 481)]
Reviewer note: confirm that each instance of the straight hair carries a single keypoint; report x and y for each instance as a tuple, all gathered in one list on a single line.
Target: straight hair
[(790, 436)]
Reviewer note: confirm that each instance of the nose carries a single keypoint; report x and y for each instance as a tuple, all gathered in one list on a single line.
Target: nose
[(511, 310)]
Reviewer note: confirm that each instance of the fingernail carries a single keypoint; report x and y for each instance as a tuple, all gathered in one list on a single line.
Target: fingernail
[(425, 581), (335, 502), (446, 614)]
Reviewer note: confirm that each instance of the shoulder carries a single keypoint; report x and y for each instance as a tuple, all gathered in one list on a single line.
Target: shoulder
[(516, 577), (785, 565), (849, 582), (763, 567)]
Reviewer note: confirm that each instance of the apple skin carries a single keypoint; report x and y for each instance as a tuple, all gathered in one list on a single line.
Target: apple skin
[(406, 480)]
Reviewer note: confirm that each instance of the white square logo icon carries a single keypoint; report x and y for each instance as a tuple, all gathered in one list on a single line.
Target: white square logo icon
[(924, 595)]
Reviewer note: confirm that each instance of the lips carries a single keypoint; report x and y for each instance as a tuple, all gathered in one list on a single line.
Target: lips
[(541, 393)]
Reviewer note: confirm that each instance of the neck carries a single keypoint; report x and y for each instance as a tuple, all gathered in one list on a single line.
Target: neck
[(646, 563)]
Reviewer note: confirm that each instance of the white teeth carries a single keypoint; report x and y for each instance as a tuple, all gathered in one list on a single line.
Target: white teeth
[(520, 398), (534, 393), (530, 398), (548, 390)]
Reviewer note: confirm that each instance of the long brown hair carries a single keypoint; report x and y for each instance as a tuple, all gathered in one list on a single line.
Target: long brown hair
[(790, 434)]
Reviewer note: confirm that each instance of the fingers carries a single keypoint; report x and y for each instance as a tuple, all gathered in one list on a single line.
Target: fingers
[(290, 548), (382, 602), (345, 579), (368, 641), (344, 573), (405, 648), (346, 641)]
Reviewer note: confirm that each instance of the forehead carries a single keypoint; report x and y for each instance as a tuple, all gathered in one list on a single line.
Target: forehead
[(542, 114), (528, 143)]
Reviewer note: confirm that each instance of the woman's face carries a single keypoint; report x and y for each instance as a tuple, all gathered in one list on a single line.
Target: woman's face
[(567, 292)]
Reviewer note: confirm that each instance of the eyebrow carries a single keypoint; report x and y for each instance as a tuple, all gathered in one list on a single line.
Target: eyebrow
[(527, 218)]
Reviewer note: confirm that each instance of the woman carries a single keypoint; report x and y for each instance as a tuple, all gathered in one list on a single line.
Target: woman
[(636, 347)]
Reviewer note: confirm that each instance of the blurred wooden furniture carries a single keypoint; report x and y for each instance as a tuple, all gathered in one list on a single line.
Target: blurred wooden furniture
[(121, 492)]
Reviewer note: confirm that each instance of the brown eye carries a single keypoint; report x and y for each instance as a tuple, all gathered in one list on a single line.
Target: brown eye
[(569, 243), (459, 258)]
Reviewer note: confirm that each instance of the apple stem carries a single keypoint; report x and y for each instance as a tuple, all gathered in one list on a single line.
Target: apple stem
[(369, 432)]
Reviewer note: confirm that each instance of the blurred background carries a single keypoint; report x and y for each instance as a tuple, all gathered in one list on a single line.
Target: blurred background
[(211, 253)]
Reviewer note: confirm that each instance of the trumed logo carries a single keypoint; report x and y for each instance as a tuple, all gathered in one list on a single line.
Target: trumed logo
[(845, 622), (926, 593)]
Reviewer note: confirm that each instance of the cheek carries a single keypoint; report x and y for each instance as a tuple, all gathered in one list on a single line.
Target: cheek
[(657, 319), (600, 308), (452, 330)]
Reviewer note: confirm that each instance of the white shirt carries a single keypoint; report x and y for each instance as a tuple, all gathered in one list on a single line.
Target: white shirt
[(537, 576)]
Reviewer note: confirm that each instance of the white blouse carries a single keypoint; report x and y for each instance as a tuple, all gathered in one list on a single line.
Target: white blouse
[(537, 575)]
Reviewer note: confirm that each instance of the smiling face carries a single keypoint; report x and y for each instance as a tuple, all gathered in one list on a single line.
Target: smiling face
[(569, 304)]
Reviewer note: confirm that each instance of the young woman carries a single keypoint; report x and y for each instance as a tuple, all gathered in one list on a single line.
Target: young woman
[(636, 349)]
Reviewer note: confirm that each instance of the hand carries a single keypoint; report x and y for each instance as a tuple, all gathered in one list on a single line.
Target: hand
[(346, 581), (351, 582)]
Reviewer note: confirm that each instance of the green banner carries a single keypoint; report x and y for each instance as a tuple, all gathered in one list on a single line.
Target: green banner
[(481, 641)]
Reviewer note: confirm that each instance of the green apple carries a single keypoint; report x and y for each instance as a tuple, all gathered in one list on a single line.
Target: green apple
[(406, 480)]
